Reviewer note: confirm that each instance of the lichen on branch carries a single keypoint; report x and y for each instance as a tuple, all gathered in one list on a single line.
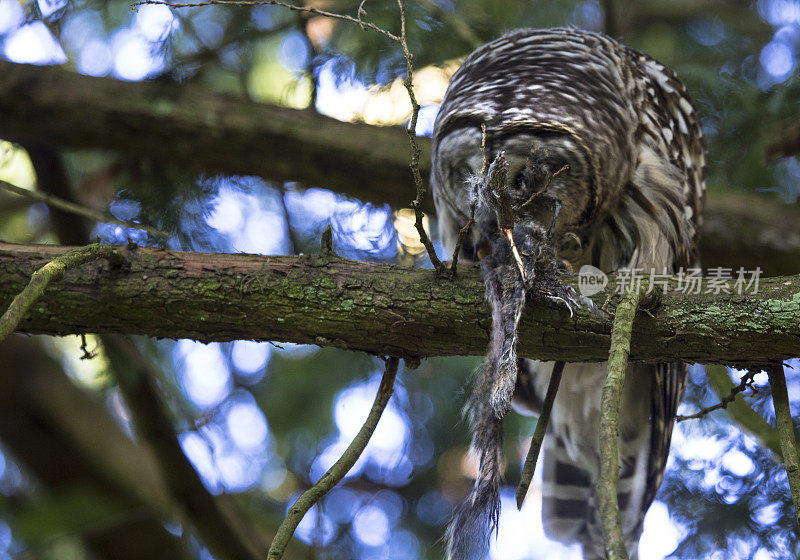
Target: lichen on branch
[(609, 425), (332, 301), (339, 469), (54, 270)]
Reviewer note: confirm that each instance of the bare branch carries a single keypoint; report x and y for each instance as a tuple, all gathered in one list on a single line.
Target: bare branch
[(416, 204), (746, 381), (54, 270), (338, 471), (313, 11), (539, 433), (742, 413), (74, 208)]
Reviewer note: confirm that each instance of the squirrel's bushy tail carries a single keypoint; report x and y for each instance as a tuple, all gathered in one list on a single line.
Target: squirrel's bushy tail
[(476, 519)]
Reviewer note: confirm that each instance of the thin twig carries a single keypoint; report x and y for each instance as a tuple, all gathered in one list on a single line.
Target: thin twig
[(783, 421), (408, 83), (361, 13), (286, 5), (416, 204), (543, 190), (338, 471), (54, 270), (73, 208), (85, 353), (746, 381), (471, 221), (742, 413), (609, 425), (538, 434)]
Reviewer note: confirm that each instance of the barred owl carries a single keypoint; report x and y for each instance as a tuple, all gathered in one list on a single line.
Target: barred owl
[(621, 128)]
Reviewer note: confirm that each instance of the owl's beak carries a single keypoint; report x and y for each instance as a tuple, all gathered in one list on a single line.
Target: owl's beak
[(508, 233)]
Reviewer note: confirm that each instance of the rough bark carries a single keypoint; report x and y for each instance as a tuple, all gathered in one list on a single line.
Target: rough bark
[(330, 301)]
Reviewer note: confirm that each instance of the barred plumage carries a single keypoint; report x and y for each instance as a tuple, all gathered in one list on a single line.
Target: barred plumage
[(632, 197)]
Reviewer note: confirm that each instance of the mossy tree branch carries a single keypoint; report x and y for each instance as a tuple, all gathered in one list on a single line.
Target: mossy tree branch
[(191, 127), (331, 301), (609, 425), (783, 420), (340, 468), (52, 271)]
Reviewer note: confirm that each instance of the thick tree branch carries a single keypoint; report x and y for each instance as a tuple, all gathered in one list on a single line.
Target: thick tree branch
[(69, 443), (51, 271), (330, 301), (186, 125), (226, 538)]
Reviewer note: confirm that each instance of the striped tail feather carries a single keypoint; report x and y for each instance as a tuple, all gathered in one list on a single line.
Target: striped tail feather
[(570, 462)]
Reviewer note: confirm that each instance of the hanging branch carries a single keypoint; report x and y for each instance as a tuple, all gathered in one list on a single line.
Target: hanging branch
[(73, 208), (416, 204), (54, 270), (338, 471), (609, 425), (747, 381), (783, 420), (538, 434), (408, 83)]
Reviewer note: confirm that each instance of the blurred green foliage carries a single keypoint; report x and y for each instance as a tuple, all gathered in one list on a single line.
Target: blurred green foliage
[(273, 55)]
